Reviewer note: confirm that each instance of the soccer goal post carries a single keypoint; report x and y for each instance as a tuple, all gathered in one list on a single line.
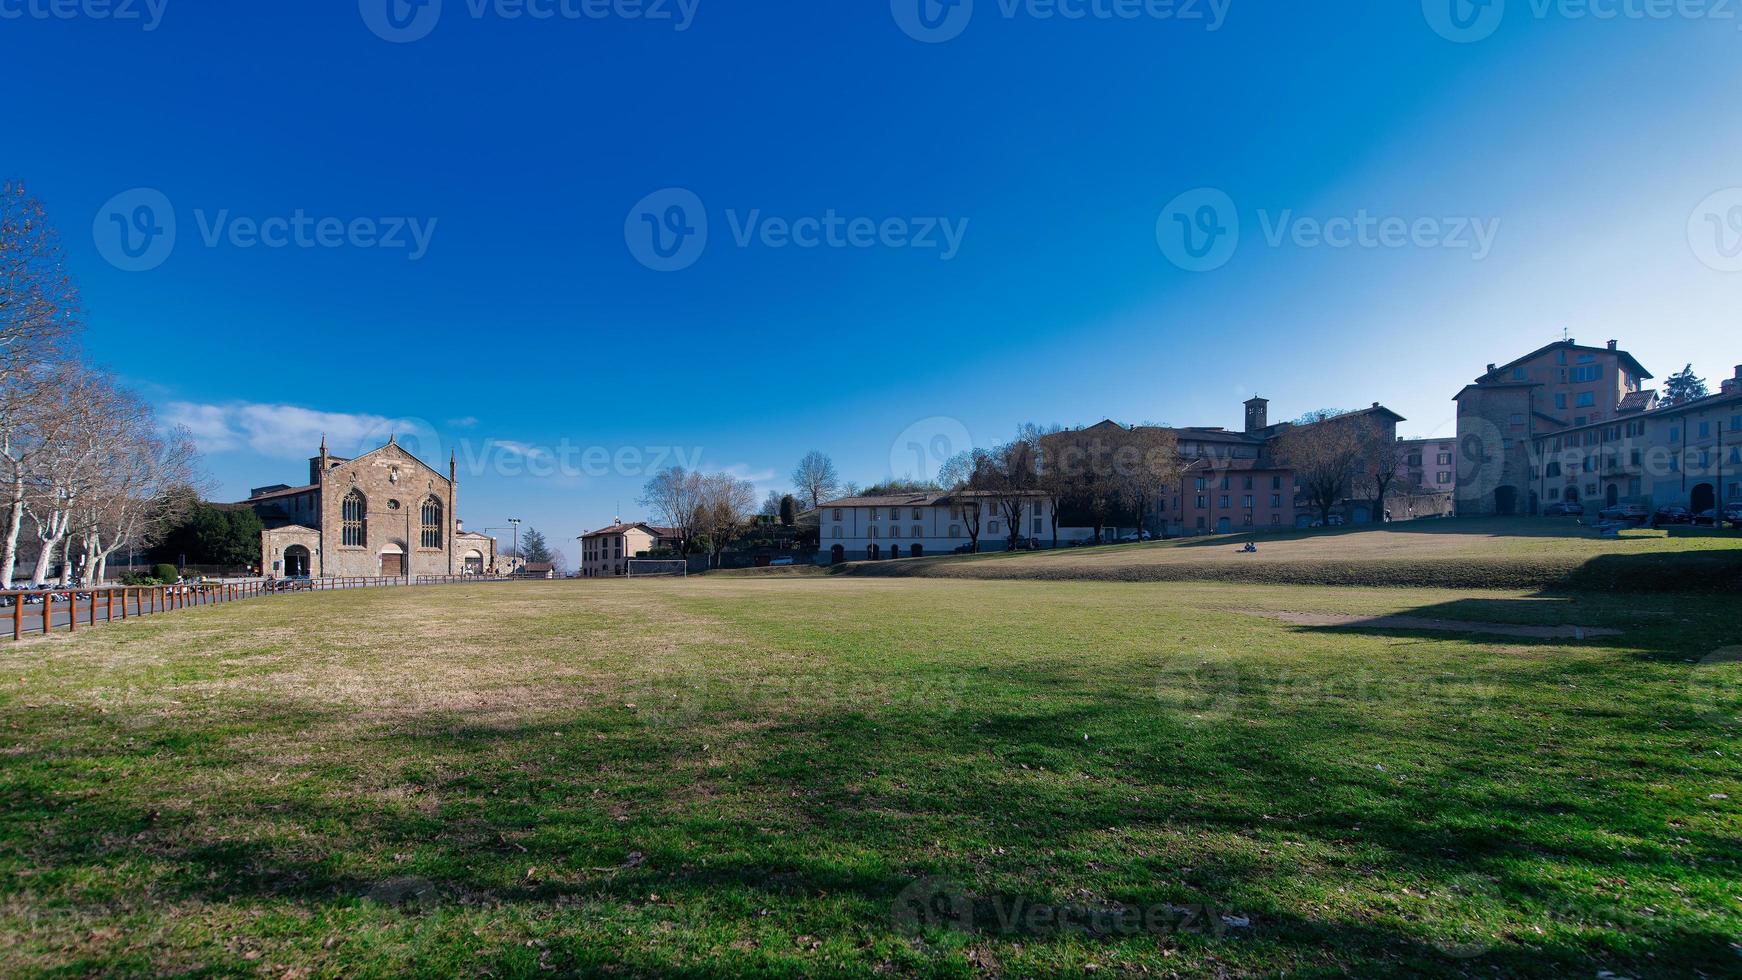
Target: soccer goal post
[(658, 567)]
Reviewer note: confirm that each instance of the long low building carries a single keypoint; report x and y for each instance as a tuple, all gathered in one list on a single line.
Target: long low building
[(913, 525)]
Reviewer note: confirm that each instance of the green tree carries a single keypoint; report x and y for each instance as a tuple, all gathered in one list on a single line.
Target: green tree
[(212, 535), (534, 548), (788, 511), (1683, 386)]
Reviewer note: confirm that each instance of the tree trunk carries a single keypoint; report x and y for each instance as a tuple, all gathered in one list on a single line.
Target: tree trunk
[(14, 522)]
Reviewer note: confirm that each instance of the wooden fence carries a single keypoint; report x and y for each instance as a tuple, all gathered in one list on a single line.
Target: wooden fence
[(46, 611)]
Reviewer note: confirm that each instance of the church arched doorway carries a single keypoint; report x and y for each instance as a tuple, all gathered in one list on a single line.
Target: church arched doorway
[(917, 551), (895, 551), (871, 552), (296, 562), (837, 554)]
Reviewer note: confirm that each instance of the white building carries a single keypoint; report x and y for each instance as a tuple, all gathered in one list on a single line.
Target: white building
[(913, 525)]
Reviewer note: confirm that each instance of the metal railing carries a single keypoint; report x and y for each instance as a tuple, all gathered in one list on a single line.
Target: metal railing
[(45, 611)]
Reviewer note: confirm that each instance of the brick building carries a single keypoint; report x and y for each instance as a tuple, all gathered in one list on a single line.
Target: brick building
[(384, 513)]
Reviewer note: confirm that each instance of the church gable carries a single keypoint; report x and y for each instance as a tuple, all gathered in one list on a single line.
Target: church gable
[(389, 466)]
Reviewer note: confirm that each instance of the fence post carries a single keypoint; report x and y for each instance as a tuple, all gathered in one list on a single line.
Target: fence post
[(17, 617), (72, 611)]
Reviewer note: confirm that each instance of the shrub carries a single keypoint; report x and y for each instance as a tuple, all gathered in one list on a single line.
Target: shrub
[(138, 578), (165, 573)]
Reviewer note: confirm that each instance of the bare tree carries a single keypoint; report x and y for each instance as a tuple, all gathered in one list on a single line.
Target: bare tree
[(39, 309), (142, 482), (1324, 449), (1145, 464), (1382, 458), (957, 475), (771, 504), (673, 495), (724, 510), (815, 478), (1014, 480)]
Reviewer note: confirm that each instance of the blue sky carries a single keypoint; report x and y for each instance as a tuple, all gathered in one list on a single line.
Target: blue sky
[(480, 286)]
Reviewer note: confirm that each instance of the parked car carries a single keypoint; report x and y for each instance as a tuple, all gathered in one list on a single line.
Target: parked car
[(1630, 513), (781, 562), (1671, 515), (966, 549), (1733, 514), (1564, 508)]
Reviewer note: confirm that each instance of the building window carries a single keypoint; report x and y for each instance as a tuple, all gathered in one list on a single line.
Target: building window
[(1705, 429), (837, 513), (1587, 399), (1560, 400), (1517, 418), (895, 530), (836, 534), (918, 532), (432, 523), (917, 515), (1675, 435), (871, 532), (1276, 500), (356, 520), (1224, 501), (1591, 372), (955, 530)]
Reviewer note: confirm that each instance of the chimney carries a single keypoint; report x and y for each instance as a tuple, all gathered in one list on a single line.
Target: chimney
[(1257, 414), (1375, 404), (1612, 344), (1491, 367), (1732, 385)]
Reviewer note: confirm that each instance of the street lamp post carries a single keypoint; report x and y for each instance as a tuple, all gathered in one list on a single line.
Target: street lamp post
[(515, 522)]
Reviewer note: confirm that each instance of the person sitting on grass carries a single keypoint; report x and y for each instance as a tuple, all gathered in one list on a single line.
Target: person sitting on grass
[(1250, 549)]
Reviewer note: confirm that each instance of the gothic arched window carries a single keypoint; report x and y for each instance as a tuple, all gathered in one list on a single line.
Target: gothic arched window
[(432, 523), (356, 518)]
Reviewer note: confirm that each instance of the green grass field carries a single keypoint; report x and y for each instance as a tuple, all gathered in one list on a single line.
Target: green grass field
[(855, 776)]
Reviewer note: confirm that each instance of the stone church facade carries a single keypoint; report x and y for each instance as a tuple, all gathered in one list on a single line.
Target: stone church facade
[(382, 514)]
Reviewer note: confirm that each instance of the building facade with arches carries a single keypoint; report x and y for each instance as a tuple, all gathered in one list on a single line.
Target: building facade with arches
[(383, 514)]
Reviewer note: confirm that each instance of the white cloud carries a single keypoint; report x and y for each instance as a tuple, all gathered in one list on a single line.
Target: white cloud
[(293, 432), (464, 422), (743, 471)]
